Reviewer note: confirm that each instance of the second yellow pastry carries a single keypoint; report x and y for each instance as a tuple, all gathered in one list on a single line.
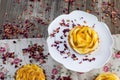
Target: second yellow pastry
[(30, 72)]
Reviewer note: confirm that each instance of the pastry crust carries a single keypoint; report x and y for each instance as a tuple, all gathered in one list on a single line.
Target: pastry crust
[(83, 39), (30, 72)]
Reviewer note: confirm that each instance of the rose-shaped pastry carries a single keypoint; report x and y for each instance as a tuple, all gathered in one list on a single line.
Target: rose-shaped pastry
[(30, 72), (107, 76), (83, 39)]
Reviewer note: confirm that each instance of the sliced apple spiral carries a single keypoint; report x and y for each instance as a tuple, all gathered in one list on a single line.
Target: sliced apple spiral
[(107, 76), (30, 72), (83, 39)]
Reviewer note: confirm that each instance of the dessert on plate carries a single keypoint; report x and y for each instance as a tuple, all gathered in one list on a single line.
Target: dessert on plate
[(83, 39), (107, 76), (30, 72)]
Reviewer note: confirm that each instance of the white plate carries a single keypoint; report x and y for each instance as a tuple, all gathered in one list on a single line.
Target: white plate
[(98, 58)]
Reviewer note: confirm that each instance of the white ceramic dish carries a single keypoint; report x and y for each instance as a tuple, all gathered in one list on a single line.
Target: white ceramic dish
[(61, 51)]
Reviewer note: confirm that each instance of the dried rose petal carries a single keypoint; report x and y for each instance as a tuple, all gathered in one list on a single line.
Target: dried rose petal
[(16, 61), (54, 71), (105, 68), (117, 55), (2, 49), (52, 76), (35, 52), (1, 75)]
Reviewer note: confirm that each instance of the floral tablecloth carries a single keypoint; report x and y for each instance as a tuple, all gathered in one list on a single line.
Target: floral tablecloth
[(16, 52)]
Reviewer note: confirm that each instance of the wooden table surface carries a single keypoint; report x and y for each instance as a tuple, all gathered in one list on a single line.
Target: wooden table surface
[(30, 18)]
